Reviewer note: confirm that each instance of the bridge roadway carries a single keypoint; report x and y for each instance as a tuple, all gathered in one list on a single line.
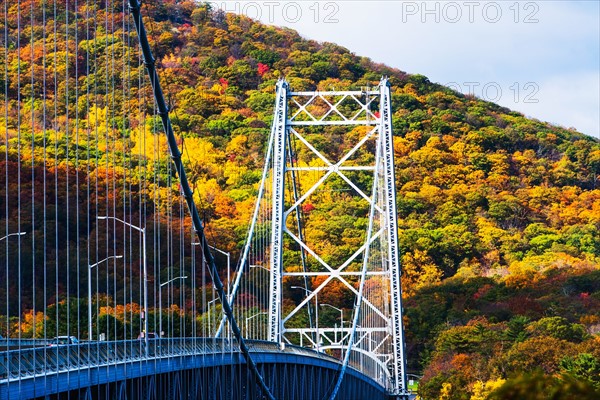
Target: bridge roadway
[(186, 368)]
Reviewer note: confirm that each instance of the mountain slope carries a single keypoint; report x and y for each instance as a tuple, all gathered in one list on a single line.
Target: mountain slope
[(499, 214)]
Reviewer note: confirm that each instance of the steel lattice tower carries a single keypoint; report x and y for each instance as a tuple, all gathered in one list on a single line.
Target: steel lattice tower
[(376, 332)]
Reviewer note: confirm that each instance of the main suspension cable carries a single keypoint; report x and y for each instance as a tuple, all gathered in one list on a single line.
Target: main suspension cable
[(149, 62)]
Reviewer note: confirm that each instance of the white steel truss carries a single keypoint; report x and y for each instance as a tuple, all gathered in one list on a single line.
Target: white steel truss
[(386, 135), (278, 217), (383, 340)]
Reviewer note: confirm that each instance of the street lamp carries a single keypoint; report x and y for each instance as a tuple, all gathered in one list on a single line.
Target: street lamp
[(335, 308), (209, 319), (254, 316), (90, 293), (341, 317), (13, 234), (260, 266), (225, 253), (228, 255), (316, 311), (160, 301), (144, 273)]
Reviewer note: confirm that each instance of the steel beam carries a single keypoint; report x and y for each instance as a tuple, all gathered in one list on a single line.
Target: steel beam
[(278, 208), (386, 136)]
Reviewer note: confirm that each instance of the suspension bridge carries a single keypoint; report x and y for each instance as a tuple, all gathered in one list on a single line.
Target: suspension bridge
[(112, 284)]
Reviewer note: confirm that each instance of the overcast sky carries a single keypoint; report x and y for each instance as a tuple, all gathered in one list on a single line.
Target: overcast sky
[(541, 58)]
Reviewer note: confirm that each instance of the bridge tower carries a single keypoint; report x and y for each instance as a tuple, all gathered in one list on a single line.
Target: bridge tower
[(307, 170)]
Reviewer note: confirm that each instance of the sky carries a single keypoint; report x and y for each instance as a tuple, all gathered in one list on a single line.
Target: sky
[(541, 58)]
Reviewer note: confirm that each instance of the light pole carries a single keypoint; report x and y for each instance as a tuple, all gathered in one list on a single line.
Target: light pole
[(341, 317), (254, 316), (260, 266), (90, 293), (13, 234), (144, 273), (4, 237), (160, 333), (228, 255), (209, 319), (316, 311)]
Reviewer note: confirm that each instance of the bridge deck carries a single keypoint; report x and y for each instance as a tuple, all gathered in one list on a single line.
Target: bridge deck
[(40, 371)]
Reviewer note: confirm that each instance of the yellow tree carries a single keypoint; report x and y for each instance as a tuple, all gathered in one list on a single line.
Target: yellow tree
[(418, 270), (31, 325)]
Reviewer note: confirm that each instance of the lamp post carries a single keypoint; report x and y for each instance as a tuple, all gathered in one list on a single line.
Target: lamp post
[(254, 316), (341, 317), (225, 253), (160, 301), (316, 311), (13, 234), (144, 273), (90, 337), (260, 266), (228, 255), (209, 318), (4, 237)]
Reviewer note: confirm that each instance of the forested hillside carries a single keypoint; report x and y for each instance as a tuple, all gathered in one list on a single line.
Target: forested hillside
[(499, 214)]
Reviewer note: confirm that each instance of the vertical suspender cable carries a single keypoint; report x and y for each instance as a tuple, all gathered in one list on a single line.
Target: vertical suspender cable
[(6, 157), (250, 236), (78, 228), (359, 297), (33, 225), (18, 167), (67, 170), (111, 142), (56, 205), (125, 179), (187, 192), (44, 171), (298, 212)]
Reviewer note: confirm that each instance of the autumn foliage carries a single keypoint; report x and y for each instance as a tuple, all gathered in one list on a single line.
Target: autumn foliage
[(499, 214)]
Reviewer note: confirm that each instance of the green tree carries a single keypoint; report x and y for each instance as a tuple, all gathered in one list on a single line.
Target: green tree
[(559, 328), (585, 367), (112, 327)]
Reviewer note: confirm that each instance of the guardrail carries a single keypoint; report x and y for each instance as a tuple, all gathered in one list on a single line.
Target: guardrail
[(43, 360), (9, 342)]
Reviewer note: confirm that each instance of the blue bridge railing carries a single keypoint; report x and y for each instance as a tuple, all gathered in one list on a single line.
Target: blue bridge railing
[(41, 359), (36, 369)]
